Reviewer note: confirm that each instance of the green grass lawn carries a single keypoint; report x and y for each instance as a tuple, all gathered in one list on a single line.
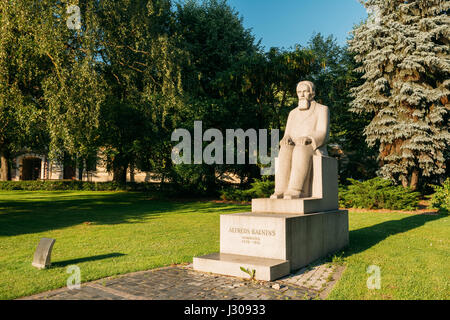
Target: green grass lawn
[(412, 252), (110, 233)]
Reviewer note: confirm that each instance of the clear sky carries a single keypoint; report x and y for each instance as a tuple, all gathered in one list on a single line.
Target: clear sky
[(284, 23)]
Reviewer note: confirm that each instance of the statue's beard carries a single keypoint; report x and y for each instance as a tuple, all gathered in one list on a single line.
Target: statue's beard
[(304, 104)]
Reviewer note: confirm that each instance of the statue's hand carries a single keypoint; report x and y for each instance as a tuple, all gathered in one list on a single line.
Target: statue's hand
[(302, 141), (286, 141)]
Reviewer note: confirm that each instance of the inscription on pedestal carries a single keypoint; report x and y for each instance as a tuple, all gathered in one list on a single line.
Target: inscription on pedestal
[(252, 236)]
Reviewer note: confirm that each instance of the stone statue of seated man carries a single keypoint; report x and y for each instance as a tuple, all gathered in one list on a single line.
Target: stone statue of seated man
[(307, 130)]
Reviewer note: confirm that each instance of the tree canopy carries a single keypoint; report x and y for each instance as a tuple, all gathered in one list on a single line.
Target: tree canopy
[(404, 53), (86, 78)]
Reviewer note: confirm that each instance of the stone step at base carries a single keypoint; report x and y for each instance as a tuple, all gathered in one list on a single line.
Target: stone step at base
[(295, 206), (230, 264)]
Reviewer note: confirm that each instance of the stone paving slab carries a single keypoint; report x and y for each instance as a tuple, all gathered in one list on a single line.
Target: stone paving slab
[(181, 282)]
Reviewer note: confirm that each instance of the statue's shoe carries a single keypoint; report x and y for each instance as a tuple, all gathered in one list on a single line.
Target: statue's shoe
[(289, 195), (277, 195)]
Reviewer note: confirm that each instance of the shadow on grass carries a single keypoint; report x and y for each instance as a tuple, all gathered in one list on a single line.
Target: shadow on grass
[(365, 238), (40, 212), (65, 263)]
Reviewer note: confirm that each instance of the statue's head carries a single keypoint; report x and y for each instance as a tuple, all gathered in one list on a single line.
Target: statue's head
[(305, 93)]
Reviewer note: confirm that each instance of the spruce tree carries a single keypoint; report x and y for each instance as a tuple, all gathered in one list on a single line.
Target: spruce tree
[(404, 49)]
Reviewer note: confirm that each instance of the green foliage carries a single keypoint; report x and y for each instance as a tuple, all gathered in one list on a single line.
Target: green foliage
[(441, 197), (262, 188), (141, 66), (55, 185), (194, 179), (214, 83), (136, 70), (259, 189), (334, 76), (404, 54), (234, 194), (251, 273), (377, 193), (22, 69)]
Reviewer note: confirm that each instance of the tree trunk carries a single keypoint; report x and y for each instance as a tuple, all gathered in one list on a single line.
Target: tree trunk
[(131, 172), (404, 180), (163, 178), (120, 166), (69, 167), (5, 172), (414, 179), (80, 169), (120, 174)]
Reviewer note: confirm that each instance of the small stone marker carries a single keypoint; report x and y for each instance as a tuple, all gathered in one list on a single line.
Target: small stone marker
[(43, 253)]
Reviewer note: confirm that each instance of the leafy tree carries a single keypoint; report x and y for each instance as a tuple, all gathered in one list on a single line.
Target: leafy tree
[(50, 90), (217, 45), (74, 90), (22, 69), (286, 69), (404, 50), (334, 76), (228, 78), (140, 58), (214, 36)]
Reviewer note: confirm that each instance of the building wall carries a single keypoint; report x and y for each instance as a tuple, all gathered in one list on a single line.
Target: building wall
[(102, 175), (16, 172), (55, 171)]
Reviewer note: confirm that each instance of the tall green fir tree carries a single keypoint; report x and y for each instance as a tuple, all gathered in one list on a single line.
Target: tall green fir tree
[(404, 51)]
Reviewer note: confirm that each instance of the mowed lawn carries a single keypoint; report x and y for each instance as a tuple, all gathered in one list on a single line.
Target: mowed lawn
[(412, 253), (103, 233), (111, 233)]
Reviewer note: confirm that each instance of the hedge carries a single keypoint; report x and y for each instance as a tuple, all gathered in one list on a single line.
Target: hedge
[(54, 185), (375, 193)]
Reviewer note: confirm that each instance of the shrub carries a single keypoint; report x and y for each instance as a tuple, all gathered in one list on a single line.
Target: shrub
[(377, 193), (259, 189), (198, 180), (233, 194), (441, 197)]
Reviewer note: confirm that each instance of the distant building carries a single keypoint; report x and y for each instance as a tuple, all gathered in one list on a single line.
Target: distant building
[(34, 166)]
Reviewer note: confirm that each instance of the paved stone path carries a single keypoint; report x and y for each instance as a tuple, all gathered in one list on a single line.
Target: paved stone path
[(182, 283)]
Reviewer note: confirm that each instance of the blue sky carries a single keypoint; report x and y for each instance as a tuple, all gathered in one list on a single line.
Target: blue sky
[(284, 23)]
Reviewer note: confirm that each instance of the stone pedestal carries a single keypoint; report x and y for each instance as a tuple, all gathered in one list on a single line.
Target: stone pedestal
[(280, 236), (274, 244), (322, 192)]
